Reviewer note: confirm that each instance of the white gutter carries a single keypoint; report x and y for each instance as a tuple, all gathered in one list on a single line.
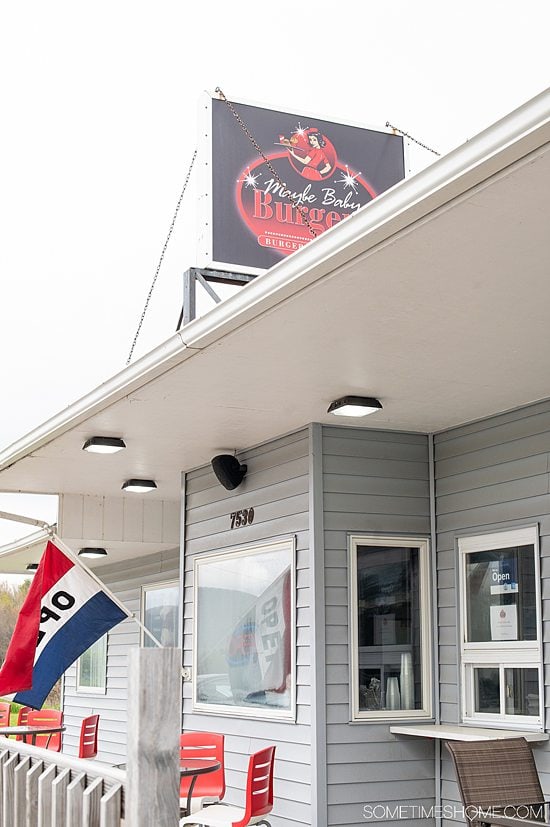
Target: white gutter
[(510, 139)]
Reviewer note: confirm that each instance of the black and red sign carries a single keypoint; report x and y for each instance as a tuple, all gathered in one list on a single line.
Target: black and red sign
[(315, 174)]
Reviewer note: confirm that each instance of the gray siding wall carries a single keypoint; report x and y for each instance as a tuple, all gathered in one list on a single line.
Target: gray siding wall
[(373, 482), (490, 475), (125, 582), (277, 486)]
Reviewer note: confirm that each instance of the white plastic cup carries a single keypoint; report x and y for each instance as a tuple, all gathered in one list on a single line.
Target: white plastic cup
[(406, 681), (393, 698)]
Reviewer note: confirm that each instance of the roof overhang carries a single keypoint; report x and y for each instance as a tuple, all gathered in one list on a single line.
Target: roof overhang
[(433, 299), (16, 556)]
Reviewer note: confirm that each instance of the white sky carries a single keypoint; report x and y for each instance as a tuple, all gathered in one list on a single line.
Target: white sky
[(99, 103)]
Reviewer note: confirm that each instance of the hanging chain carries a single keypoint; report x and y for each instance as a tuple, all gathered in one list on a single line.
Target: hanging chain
[(259, 150), (162, 256), (410, 137)]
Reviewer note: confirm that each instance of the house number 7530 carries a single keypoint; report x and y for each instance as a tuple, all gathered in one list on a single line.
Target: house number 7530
[(242, 518)]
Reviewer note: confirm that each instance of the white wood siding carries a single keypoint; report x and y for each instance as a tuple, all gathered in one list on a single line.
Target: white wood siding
[(277, 486), (119, 519), (490, 475), (374, 481)]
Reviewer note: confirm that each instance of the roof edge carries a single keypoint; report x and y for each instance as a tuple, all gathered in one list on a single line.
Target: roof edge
[(497, 147)]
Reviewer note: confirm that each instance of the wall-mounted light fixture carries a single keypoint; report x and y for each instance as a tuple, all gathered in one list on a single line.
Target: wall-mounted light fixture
[(354, 406), (104, 444), (32, 566), (92, 553), (139, 486), (228, 470)]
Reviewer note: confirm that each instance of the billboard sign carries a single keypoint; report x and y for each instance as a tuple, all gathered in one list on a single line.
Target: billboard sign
[(311, 174)]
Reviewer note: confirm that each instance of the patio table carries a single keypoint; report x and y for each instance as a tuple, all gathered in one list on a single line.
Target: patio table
[(192, 768), (33, 731)]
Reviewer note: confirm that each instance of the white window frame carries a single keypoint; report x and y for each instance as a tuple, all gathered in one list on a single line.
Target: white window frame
[(499, 654), (93, 690), (265, 713), (151, 587), (391, 541)]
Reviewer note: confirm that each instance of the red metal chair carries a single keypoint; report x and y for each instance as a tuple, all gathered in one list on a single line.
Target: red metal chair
[(45, 717), (88, 737), (22, 718), (258, 802), (209, 788), (5, 710)]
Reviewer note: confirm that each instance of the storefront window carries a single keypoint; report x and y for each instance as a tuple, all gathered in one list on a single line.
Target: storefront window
[(244, 631), (91, 672), (159, 610), (390, 623), (500, 629)]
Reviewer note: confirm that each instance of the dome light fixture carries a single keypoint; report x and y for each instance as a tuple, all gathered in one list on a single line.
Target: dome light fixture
[(139, 486), (354, 406), (104, 444), (92, 553)]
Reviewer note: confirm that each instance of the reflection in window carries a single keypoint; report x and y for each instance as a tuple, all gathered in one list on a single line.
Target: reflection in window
[(160, 614), (244, 630), (92, 668), (390, 625), (487, 688), (522, 691)]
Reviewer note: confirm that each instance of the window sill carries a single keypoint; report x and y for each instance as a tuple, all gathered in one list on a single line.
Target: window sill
[(453, 732)]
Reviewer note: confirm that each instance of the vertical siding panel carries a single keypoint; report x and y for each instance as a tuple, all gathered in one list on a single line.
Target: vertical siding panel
[(152, 521), (71, 511), (277, 486), (373, 481), (113, 519), (133, 520), (490, 475), (92, 524), (171, 512)]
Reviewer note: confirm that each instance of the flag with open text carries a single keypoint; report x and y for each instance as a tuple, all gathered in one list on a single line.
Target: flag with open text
[(65, 611)]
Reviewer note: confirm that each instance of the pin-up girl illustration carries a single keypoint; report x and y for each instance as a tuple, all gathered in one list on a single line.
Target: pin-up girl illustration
[(316, 158)]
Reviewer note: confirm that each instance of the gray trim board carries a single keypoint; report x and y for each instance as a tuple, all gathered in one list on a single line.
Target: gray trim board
[(319, 804), (183, 500)]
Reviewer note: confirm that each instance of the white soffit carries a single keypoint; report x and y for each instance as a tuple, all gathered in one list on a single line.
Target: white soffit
[(15, 556), (433, 299)]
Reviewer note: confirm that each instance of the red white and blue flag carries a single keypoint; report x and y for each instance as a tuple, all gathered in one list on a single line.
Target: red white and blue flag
[(65, 611)]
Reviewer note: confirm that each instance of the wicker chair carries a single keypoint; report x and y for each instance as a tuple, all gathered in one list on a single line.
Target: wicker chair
[(498, 782)]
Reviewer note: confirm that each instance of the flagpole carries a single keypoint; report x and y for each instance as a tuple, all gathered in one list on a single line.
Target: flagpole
[(18, 518), (70, 553)]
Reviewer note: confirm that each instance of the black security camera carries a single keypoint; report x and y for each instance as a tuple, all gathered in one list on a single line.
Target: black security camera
[(228, 470)]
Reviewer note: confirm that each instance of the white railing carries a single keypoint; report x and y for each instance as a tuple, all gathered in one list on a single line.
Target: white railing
[(41, 788)]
